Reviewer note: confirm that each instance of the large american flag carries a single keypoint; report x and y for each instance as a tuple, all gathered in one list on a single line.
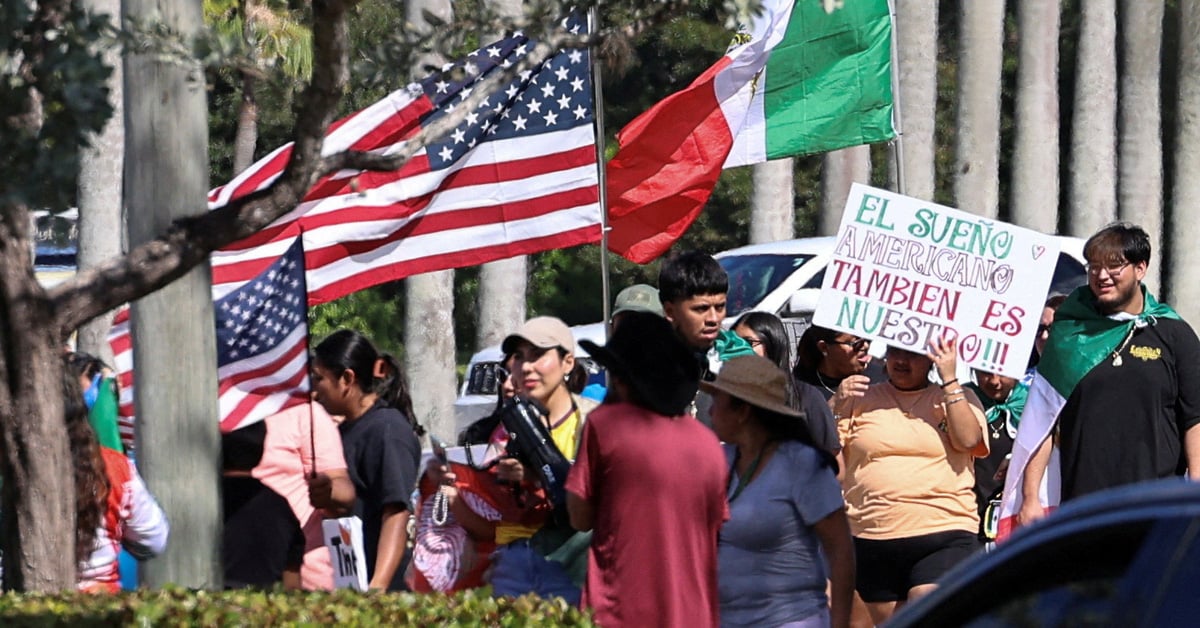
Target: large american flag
[(519, 175)]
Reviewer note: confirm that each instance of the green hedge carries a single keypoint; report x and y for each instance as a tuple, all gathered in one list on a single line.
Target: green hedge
[(181, 607)]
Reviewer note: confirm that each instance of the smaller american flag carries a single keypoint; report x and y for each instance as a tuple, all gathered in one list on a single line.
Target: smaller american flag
[(262, 343)]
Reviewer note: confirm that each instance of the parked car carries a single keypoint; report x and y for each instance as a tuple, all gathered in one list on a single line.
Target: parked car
[(780, 277), (1128, 557)]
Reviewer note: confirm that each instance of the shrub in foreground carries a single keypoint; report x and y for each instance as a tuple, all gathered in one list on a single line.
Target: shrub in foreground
[(183, 607)]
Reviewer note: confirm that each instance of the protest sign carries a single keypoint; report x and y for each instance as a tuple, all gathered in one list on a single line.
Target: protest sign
[(906, 272)]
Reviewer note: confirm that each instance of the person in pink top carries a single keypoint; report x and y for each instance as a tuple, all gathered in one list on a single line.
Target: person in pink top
[(301, 441), (649, 481)]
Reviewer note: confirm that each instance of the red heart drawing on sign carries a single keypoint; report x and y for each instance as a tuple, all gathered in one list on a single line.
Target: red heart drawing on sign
[(1038, 250)]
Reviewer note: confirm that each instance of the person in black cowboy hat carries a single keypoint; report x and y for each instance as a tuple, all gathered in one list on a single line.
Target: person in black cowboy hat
[(649, 481)]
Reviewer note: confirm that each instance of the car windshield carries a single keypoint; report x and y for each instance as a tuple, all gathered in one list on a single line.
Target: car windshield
[(753, 277)]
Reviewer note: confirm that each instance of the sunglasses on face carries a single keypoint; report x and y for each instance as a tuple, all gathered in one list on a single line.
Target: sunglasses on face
[(859, 346)]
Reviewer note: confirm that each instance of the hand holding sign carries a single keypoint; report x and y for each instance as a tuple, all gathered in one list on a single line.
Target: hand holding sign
[(944, 353)]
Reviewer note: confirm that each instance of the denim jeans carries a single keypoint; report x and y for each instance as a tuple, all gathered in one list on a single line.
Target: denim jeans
[(517, 569)]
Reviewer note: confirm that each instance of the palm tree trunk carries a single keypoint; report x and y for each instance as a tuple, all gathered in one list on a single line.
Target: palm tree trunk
[(1183, 274), (772, 207), (503, 283), (1093, 168), (1036, 147), (916, 43), (1140, 183), (977, 147), (839, 170), (179, 444), (101, 202), (246, 136), (429, 356)]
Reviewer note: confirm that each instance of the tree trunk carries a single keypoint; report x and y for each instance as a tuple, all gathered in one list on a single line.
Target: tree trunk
[(977, 141), (101, 228), (916, 43), (39, 488), (503, 283), (773, 205), (1183, 274), (166, 135), (246, 137), (429, 341), (839, 170), (1093, 192), (1140, 183), (1035, 151)]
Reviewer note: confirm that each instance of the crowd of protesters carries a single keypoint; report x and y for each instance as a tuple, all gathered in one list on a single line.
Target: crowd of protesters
[(713, 480)]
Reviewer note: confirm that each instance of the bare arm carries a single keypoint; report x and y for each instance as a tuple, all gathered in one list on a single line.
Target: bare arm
[(291, 579), (581, 512), (1191, 448), (331, 491), (834, 534), (1031, 483), (393, 536), (962, 425)]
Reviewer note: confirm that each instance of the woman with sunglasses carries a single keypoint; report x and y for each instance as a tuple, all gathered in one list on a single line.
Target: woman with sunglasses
[(826, 358), (764, 332)]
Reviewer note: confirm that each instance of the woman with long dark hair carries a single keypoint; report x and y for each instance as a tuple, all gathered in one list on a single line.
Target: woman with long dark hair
[(764, 332), (827, 358), (113, 508), (785, 505), (352, 379)]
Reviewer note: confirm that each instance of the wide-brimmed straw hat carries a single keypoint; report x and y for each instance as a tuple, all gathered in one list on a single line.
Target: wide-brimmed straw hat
[(647, 355), (755, 380)]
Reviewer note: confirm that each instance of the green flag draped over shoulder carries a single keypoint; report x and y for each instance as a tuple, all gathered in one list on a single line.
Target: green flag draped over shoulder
[(1081, 337), (103, 416), (828, 83)]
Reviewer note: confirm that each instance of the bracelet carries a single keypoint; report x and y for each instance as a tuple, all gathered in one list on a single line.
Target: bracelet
[(954, 400), (948, 382), (956, 391)]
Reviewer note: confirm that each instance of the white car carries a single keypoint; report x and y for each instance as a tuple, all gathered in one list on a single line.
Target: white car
[(783, 278)]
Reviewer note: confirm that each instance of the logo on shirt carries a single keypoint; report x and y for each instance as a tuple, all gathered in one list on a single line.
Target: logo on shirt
[(1145, 353)]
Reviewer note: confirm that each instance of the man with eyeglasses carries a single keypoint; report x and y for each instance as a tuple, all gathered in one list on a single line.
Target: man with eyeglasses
[(1117, 388)]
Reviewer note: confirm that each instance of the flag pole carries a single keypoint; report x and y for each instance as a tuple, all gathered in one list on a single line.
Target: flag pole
[(898, 143), (598, 108)]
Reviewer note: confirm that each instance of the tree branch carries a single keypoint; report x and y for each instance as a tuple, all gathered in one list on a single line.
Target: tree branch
[(189, 241)]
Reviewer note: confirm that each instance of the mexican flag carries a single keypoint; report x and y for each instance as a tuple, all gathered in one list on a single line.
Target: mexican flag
[(1080, 338), (800, 80)]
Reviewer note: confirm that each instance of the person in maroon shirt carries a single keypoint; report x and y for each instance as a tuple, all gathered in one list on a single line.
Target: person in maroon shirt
[(649, 481)]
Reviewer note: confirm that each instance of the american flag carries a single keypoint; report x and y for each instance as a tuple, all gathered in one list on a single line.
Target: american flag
[(262, 347), (262, 343), (519, 175)]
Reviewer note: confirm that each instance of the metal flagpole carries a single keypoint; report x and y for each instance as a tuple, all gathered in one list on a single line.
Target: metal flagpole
[(898, 143), (598, 116)]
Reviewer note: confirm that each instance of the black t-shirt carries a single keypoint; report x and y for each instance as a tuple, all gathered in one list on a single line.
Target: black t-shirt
[(819, 417), (1125, 424), (262, 536), (382, 454)]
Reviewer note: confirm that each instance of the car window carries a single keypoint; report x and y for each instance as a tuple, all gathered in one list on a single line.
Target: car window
[(753, 277), (483, 378), (1068, 275)]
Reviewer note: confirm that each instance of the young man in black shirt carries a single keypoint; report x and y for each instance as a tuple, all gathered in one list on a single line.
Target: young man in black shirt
[(1131, 409)]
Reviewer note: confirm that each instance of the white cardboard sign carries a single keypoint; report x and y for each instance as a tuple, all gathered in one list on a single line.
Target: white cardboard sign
[(906, 272)]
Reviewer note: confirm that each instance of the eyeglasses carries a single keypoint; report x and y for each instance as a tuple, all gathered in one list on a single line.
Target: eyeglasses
[(859, 346), (753, 342), (1111, 268)]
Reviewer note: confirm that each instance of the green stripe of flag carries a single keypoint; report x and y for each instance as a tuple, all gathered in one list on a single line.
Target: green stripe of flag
[(828, 83)]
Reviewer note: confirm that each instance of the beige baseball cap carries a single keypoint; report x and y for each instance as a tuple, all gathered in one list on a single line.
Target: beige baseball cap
[(542, 332)]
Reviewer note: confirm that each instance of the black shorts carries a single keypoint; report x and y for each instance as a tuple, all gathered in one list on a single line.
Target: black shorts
[(886, 570)]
